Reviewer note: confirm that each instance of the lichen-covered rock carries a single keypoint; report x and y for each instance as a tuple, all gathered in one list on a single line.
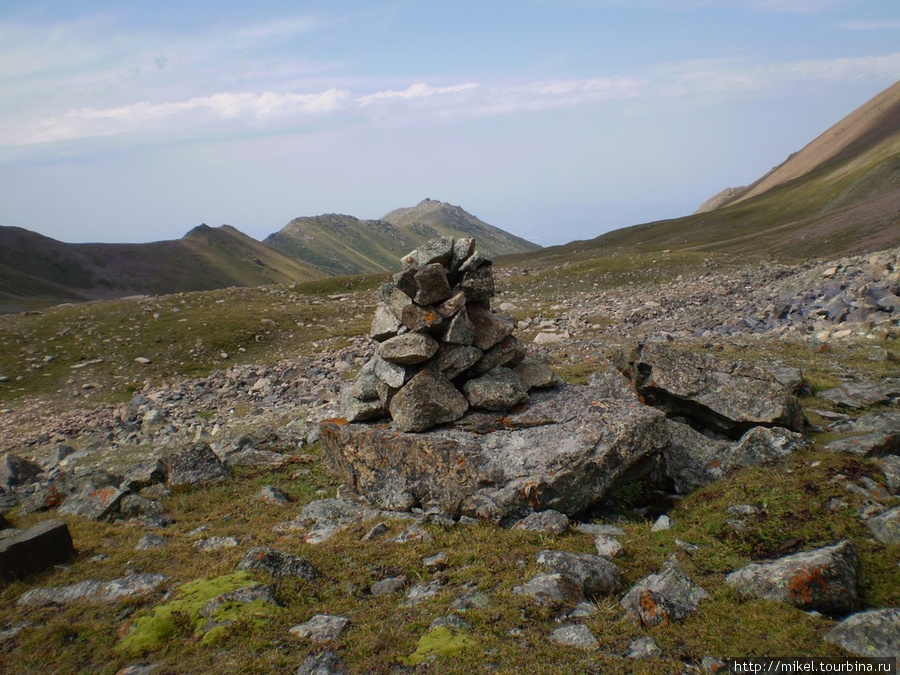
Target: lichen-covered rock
[(278, 564), (427, 400), (659, 599), (565, 451), (729, 397), (408, 349), (93, 591), (551, 589), (875, 633), (886, 527), (322, 628), (499, 389), (575, 635), (823, 580), (194, 465), (16, 470), (546, 522), (595, 576)]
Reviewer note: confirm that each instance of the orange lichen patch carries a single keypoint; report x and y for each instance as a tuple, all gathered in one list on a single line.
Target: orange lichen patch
[(802, 585), (651, 613), (532, 494)]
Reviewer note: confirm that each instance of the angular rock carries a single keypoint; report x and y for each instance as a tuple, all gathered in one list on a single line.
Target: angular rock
[(643, 648), (886, 527), (195, 464), (536, 375), (873, 435), (272, 495), (150, 541), (16, 470), (323, 663), (322, 628), (30, 551), (421, 319), (459, 330), (431, 284), (856, 395), (693, 460), (384, 324), (575, 635), (551, 589), (728, 397), (408, 349), (606, 546), (478, 284), (509, 351), (547, 522), (890, 467), (823, 580), (439, 250), (659, 599), (452, 305), (392, 374), (427, 400), (94, 592), (453, 360), (354, 409), (95, 495), (499, 389), (565, 451), (322, 518), (462, 249), (278, 564), (489, 329), (595, 576), (875, 633)]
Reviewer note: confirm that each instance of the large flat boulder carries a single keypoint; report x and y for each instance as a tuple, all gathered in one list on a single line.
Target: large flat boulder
[(728, 397), (564, 451)]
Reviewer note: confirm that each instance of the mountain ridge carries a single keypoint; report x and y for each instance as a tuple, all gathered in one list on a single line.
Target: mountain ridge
[(343, 244)]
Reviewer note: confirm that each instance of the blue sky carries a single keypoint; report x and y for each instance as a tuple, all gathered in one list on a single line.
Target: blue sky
[(553, 119)]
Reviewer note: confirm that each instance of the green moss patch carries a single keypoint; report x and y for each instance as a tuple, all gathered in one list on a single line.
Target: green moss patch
[(183, 612), (440, 643)]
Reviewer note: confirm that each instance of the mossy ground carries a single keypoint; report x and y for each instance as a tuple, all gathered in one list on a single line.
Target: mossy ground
[(509, 633)]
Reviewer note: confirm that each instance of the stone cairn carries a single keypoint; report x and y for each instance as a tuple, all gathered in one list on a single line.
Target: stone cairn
[(441, 349)]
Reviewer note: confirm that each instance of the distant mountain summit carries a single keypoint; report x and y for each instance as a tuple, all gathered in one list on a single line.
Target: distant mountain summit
[(342, 244)]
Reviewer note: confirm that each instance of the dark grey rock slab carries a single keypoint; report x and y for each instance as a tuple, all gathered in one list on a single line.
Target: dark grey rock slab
[(545, 522), (195, 464), (278, 564), (16, 470), (26, 552)]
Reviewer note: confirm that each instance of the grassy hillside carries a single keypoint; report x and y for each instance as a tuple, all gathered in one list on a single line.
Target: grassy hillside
[(37, 271), (848, 203)]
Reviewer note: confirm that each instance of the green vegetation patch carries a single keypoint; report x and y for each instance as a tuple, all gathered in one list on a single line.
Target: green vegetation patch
[(151, 632), (440, 643)]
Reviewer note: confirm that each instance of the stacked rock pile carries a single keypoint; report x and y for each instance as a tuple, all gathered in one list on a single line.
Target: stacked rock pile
[(442, 350)]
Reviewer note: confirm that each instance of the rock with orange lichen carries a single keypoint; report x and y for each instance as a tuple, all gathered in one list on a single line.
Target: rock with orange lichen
[(823, 580), (660, 599)]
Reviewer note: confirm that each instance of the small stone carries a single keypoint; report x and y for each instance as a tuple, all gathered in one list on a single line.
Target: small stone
[(435, 562), (662, 523), (643, 648), (388, 586), (662, 598), (607, 547), (215, 544), (322, 628), (143, 360), (272, 495), (151, 541), (547, 522), (548, 589), (575, 635), (278, 564), (323, 663)]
